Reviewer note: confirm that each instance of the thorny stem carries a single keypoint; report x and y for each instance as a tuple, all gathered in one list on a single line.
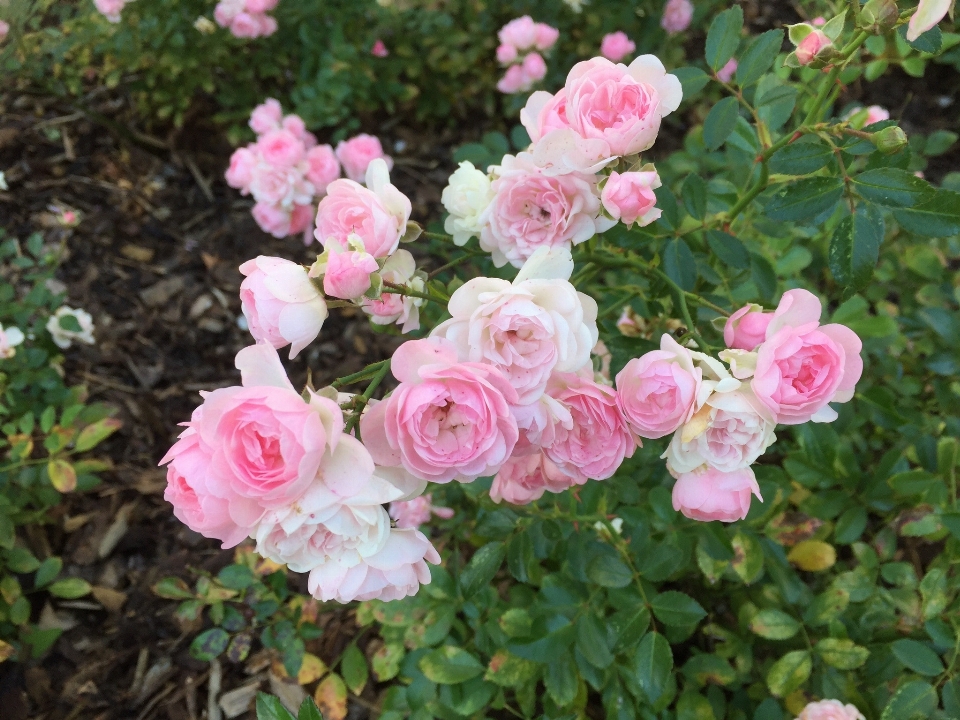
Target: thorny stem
[(361, 402), (369, 371), (389, 287), (443, 237)]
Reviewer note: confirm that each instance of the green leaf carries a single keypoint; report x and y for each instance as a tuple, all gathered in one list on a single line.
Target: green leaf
[(679, 263), (677, 609), (764, 276), (850, 525), (916, 700), (804, 199), (236, 577), (520, 556), (937, 217), (270, 708), (774, 625), (706, 669), (519, 137), (70, 588), (893, 187), (729, 249), (694, 195), (723, 37), (70, 323), (48, 570), (95, 433), (172, 588), (652, 666), (803, 157), (629, 625), (917, 657), (928, 42), (209, 644), (855, 247), (842, 654), (560, 679), (7, 534), (693, 706), (939, 142), (482, 567), (308, 710), (353, 668), (592, 641), (692, 80), (720, 122), (789, 673), (608, 570), (758, 57), (449, 665), (21, 560)]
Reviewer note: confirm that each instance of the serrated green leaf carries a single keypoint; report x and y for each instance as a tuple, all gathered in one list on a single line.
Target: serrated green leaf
[(723, 37), (758, 57), (209, 644), (677, 609), (270, 708), (916, 700), (774, 625), (855, 247), (482, 567), (804, 199), (893, 187), (720, 122), (789, 673), (652, 666), (917, 657), (803, 157), (448, 665), (842, 654)]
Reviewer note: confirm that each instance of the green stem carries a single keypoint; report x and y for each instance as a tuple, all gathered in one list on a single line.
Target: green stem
[(443, 237), (389, 287), (369, 371), (362, 401), (452, 263)]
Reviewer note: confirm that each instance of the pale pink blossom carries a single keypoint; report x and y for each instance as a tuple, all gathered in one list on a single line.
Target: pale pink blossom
[(707, 494), (4, 30), (301, 221), (526, 478), (875, 114), (377, 214), (404, 310), (819, 21), (747, 327), (545, 36), (240, 173), (520, 32), (272, 219), (245, 25), (280, 303), (110, 9), (260, 6), (280, 186), (830, 710), (725, 74), (347, 272), (324, 168), (811, 46), (446, 420), (801, 366), (358, 152), (677, 15), (534, 68), (226, 11), (9, 339), (379, 49), (928, 14), (266, 117), (416, 512), (629, 197), (281, 148), (616, 46), (514, 80), (506, 54), (294, 124)]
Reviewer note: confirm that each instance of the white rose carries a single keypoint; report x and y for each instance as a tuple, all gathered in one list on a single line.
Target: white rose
[(728, 433), (63, 335), (466, 197), (9, 339)]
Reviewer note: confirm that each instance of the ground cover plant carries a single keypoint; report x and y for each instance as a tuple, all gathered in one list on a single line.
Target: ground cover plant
[(666, 439)]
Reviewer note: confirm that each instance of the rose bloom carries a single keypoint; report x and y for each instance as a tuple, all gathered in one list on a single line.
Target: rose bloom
[(378, 213), (520, 32), (301, 221), (242, 164), (514, 80), (295, 124), (506, 54), (876, 113), (348, 270), (727, 71), (616, 46), (802, 365), (379, 49), (9, 339), (281, 186), (280, 303), (4, 30), (629, 197), (531, 209), (245, 25), (928, 14), (830, 710), (534, 68), (358, 152), (811, 46), (324, 168), (677, 15), (281, 148), (526, 478), (526, 329), (728, 433), (466, 197), (110, 9), (273, 219), (707, 494), (416, 512), (545, 36), (657, 392), (447, 419), (64, 338), (262, 445), (267, 116), (399, 269), (595, 446), (747, 327), (260, 6)]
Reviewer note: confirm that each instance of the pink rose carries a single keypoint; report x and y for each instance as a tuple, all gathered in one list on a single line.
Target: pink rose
[(324, 167), (928, 14), (545, 36), (240, 173), (657, 392), (4, 30), (524, 479), (677, 15), (446, 420), (301, 220), (268, 25), (110, 9), (616, 46), (811, 46), (599, 439), (357, 153), (725, 74), (379, 49), (244, 25), (876, 114), (266, 117), (226, 11), (531, 209), (260, 6), (416, 512), (377, 214), (746, 328), (280, 303), (347, 274), (830, 710), (514, 80), (506, 54), (534, 68), (281, 186), (281, 148), (629, 197), (399, 269), (802, 365), (294, 124), (520, 32), (544, 113), (272, 219), (819, 21), (708, 494)]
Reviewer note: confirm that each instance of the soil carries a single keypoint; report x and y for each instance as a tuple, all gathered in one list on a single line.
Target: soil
[(154, 260)]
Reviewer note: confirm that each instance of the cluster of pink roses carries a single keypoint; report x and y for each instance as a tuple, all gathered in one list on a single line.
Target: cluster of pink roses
[(111, 9), (782, 367), (559, 193), (246, 18), (521, 42)]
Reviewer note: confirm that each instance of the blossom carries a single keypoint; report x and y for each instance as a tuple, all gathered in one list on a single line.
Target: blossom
[(281, 148), (526, 329), (466, 197), (446, 420), (630, 324), (266, 116), (506, 54), (260, 6), (240, 173), (525, 478), (747, 327), (9, 339), (531, 209), (324, 167), (709, 494), (545, 36), (520, 32), (514, 80), (616, 46), (348, 269), (802, 365), (725, 74), (928, 14), (598, 439), (110, 9), (811, 46), (4, 30), (379, 49), (399, 269), (658, 391), (414, 513), (677, 15), (280, 186), (534, 68), (280, 303), (830, 710), (358, 152), (68, 325), (629, 197), (377, 214)]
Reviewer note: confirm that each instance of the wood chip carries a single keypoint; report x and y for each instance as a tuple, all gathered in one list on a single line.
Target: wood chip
[(112, 600), (116, 531), (72, 524), (290, 694), (236, 702), (137, 252), (213, 690), (200, 306), (154, 678), (161, 292)]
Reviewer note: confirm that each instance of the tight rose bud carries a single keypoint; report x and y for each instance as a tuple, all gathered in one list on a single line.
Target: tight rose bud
[(890, 140), (879, 16), (812, 46)]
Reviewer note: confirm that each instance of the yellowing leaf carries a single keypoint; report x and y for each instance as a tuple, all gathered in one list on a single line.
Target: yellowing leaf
[(312, 669), (6, 651), (796, 702), (62, 475), (331, 698), (813, 555)]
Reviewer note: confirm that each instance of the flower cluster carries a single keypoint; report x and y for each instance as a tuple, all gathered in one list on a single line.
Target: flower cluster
[(677, 15), (781, 367), (521, 42), (246, 18), (110, 9)]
